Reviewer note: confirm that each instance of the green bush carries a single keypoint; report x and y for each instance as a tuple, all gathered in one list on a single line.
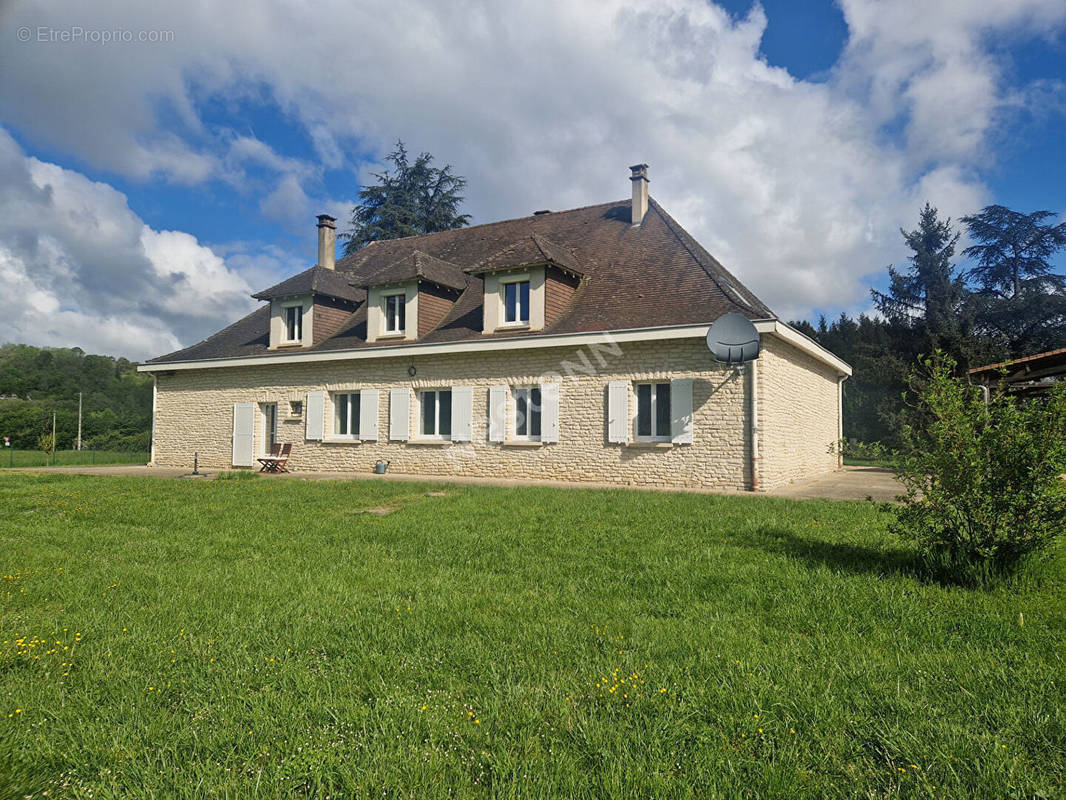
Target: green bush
[(46, 442), (983, 485)]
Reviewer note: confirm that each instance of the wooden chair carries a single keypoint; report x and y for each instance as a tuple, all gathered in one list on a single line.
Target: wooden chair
[(269, 461), (283, 458)]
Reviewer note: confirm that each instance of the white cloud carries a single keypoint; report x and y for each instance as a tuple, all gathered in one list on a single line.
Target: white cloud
[(288, 205), (794, 185), (931, 63), (78, 267)]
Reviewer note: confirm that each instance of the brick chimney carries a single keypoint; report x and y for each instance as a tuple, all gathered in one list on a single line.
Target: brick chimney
[(640, 192), (327, 241)]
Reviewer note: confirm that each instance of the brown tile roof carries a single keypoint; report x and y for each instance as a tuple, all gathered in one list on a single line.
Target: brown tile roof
[(318, 280), (529, 250), (647, 276), (417, 264)]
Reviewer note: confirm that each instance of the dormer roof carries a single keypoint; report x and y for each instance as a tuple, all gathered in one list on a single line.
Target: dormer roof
[(418, 265), (528, 251), (317, 280)]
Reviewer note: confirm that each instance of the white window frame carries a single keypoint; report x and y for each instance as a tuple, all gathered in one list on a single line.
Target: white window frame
[(353, 419), (509, 280), (436, 436), (656, 434), (402, 304), (527, 392), (286, 310)]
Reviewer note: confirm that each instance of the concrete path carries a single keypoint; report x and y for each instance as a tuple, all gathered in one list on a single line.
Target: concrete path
[(850, 483)]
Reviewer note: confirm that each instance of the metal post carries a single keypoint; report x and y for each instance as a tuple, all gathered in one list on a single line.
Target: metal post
[(753, 396), (94, 454), (79, 423), (195, 463), (53, 438)]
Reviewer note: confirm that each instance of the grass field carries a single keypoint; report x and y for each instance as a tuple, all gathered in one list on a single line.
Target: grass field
[(853, 461), (266, 638), (10, 457)]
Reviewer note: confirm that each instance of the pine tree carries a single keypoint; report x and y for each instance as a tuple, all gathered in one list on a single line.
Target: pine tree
[(1021, 300), (1014, 250), (411, 200), (930, 296)]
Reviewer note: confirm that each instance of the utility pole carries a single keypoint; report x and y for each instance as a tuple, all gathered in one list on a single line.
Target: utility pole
[(78, 448)]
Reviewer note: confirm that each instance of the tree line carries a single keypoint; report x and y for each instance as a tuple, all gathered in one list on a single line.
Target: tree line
[(35, 381), (1003, 300)]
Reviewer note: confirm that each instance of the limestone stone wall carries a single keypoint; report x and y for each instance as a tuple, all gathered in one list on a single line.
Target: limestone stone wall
[(798, 414), (194, 413)]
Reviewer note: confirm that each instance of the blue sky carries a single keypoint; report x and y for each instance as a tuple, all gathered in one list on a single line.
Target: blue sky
[(149, 187)]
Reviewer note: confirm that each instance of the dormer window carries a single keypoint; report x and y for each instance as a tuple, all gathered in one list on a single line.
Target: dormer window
[(527, 285), (395, 313), (310, 307), (516, 302), (409, 297), (294, 323)]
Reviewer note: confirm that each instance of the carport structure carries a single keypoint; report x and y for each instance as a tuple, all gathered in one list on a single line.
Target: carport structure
[(1023, 376)]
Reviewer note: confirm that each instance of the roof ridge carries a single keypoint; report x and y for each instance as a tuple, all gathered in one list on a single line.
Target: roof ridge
[(486, 225), (694, 249)]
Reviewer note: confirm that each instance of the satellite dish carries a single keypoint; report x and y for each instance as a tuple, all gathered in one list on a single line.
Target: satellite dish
[(733, 339)]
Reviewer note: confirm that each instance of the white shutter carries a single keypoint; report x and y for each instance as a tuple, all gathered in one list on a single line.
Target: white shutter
[(368, 415), (244, 434), (497, 413), (549, 412), (462, 413), (618, 412), (399, 414), (681, 410), (315, 416)]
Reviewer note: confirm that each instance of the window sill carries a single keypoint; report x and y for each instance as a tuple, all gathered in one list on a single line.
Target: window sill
[(513, 326), (430, 442), (342, 440), (650, 445), (393, 335), (291, 420), (288, 346), (522, 443)]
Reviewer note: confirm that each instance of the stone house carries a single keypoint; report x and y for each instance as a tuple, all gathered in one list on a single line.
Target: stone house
[(562, 345)]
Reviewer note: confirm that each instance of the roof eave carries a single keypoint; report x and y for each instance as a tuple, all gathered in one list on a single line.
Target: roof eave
[(527, 342)]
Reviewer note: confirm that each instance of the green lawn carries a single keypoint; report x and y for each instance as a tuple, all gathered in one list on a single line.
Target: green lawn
[(853, 461), (264, 638), (10, 457)]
